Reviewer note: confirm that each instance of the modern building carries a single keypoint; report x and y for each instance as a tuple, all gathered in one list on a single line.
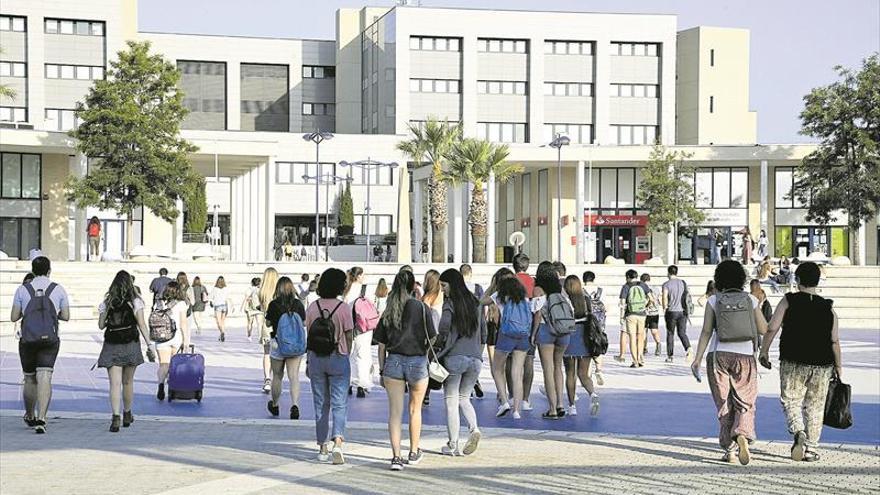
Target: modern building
[(613, 83)]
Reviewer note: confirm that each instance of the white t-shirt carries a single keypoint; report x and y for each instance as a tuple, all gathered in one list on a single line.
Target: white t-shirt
[(746, 348), (218, 296)]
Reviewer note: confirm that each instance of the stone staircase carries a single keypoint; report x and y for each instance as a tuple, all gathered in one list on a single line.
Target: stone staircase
[(855, 290)]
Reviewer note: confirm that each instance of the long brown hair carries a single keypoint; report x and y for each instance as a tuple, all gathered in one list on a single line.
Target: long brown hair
[(285, 293), (431, 289), (575, 291), (121, 290), (382, 288)]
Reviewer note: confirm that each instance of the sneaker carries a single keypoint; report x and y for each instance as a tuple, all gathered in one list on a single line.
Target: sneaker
[(634, 365), (250, 339), (642, 364), (336, 454), (744, 455), (502, 410), (800, 446), (397, 464), (323, 454), (594, 405), (689, 356), (294, 412), (620, 359), (450, 450), (526, 406), (560, 412), (350, 389), (478, 390), (40, 426), (414, 457), (572, 410), (361, 393), (426, 401), (600, 379), (31, 422), (810, 456), (127, 419), (516, 415), (473, 442), (669, 359), (267, 385), (730, 457), (272, 407), (160, 392)]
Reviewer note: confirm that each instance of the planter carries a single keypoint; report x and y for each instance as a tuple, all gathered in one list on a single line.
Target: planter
[(345, 230)]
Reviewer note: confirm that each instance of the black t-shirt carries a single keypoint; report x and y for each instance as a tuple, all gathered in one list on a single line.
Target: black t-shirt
[(275, 311), (410, 340)]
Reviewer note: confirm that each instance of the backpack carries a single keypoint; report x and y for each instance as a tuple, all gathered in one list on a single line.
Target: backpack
[(516, 320), (366, 317), (597, 307), (687, 302), (594, 335), (734, 317), (40, 318), (322, 332), (121, 325), (559, 315), (636, 299), (162, 326), (290, 335), (94, 230)]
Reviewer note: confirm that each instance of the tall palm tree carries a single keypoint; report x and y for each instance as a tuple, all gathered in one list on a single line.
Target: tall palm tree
[(6, 91), (431, 143), (475, 161)]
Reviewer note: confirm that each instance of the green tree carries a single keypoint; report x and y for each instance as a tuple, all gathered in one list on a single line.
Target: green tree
[(475, 161), (667, 192), (431, 143), (843, 173), (129, 127), (346, 207), (196, 209)]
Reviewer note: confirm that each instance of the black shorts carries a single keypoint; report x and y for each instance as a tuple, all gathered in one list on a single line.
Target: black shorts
[(652, 322), (36, 356)]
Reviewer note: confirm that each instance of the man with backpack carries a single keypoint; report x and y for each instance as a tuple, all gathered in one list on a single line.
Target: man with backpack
[(40, 304), (634, 298), (157, 286), (677, 308)]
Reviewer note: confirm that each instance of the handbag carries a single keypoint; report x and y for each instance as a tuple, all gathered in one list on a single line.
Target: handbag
[(838, 413), (436, 372)]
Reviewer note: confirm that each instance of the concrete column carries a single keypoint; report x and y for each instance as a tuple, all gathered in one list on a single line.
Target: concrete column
[(456, 236), (863, 243), (250, 226), (240, 213), (536, 90), (269, 252), (468, 244), (418, 232), (579, 214), (404, 249), (601, 89), (764, 198), (469, 86), (490, 218), (79, 168)]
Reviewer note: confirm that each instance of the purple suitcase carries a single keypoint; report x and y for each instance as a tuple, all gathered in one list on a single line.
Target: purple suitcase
[(186, 376)]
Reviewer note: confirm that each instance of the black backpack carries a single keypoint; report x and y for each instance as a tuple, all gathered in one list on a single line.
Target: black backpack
[(594, 333), (322, 332), (121, 325)]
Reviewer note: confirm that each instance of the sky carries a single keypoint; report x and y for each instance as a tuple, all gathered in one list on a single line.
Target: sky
[(794, 43)]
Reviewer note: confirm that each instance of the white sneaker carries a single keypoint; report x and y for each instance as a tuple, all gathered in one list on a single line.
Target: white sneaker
[(572, 410), (502, 410), (451, 450), (526, 406), (594, 405), (473, 441), (323, 454), (517, 415), (338, 458)]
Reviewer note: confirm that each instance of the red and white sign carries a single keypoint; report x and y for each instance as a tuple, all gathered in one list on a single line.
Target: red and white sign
[(616, 220)]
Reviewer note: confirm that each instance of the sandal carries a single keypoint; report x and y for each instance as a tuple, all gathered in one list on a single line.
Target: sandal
[(549, 415), (810, 456)]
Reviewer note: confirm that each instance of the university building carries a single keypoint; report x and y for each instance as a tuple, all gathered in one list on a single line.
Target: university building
[(612, 83)]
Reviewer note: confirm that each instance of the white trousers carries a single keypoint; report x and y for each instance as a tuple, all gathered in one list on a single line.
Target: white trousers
[(361, 358)]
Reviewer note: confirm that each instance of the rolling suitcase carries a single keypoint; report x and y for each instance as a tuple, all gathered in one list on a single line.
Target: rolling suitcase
[(186, 376)]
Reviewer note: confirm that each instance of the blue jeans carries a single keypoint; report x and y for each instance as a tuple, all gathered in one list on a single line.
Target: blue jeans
[(463, 374), (330, 376)]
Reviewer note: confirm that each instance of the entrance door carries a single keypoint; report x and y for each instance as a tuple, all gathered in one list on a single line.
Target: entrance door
[(617, 242), (605, 236), (626, 249)]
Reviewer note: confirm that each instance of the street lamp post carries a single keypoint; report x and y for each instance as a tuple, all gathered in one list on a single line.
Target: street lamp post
[(369, 166), (317, 137), (558, 142), (325, 179)]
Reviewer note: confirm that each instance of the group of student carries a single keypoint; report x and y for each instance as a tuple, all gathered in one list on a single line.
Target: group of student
[(434, 335)]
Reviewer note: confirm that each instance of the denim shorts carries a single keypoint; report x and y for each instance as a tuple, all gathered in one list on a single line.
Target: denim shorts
[(459, 365), (220, 308), (546, 337), (411, 369), (506, 343)]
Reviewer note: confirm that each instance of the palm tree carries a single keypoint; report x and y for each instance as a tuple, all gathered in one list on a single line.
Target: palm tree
[(431, 143), (476, 161), (6, 91)]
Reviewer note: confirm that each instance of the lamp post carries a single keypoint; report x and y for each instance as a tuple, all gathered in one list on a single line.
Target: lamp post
[(558, 142), (325, 179), (369, 166), (317, 137)]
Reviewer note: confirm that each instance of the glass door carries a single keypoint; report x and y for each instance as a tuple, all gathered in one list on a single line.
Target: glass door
[(625, 246), (605, 235)]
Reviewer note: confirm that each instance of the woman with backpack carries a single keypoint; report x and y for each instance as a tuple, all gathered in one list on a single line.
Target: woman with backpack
[(169, 317), (121, 316), (365, 319), (330, 326), (285, 316), (577, 358), (731, 326), (93, 232), (199, 298), (508, 295), (594, 292), (266, 295), (404, 333), (462, 329), (546, 334)]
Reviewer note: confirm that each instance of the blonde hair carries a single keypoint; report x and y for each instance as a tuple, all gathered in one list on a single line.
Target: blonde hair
[(432, 288), (267, 287), (765, 270)]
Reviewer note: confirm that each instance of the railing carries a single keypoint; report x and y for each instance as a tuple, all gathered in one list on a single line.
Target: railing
[(203, 238)]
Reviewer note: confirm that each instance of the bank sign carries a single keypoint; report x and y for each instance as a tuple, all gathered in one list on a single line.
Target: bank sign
[(616, 220)]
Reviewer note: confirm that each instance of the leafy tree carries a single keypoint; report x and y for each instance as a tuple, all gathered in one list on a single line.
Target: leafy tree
[(667, 191), (346, 208), (196, 209), (475, 161), (129, 127), (431, 143), (843, 174)]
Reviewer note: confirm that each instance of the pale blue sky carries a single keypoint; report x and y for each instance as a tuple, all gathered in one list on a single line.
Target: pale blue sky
[(794, 43)]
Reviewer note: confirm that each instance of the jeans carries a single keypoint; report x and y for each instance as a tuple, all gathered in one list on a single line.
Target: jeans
[(361, 357), (676, 321), (463, 374), (330, 376)]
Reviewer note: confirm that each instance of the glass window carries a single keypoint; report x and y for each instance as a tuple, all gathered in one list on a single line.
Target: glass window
[(427, 43), (82, 27), (283, 173), (82, 72), (51, 119), (318, 72), (454, 45), (650, 134), (608, 190), (739, 187), (721, 197), (11, 175), (651, 91), (67, 72), (307, 71), (5, 69), (440, 44), (639, 91), (586, 89), (651, 50), (625, 188), (784, 181), (482, 130), (507, 88), (18, 24), (414, 85), (97, 73), (520, 88), (625, 134), (548, 89), (507, 133), (703, 185), (453, 87), (520, 47), (520, 133), (440, 86), (507, 46), (427, 86), (483, 45), (307, 109), (494, 131), (66, 27), (30, 176), (98, 29), (51, 71), (414, 43), (68, 120), (548, 47), (494, 87), (494, 45), (639, 50)]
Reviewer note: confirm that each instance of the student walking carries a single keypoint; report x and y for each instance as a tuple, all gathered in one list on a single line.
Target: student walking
[(266, 295), (186, 290), (433, 297), (40, 304), (285, 316), (463, 329), (652, 318), (731, 325), (577, 358), (809, 353), (634, 299), (330, 327), (551, 344), (673, 298), (251, 307), (220, 302), (380, 297), (121, 316), (94, 234), (168, 319), (200, 299), (158, 284), (597, 307), (404, 332), (366, 317), (520, 268)]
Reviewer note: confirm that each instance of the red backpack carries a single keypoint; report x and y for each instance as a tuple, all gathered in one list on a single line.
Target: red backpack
[(366, 317)]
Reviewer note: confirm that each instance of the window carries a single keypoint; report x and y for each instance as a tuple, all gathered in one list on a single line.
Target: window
[(20, 175), (501, 87), (377, 177), (13, 114), (634, 90), (318, 71), (613, 190), (632, 134), (568, 47), (426, 43), (577, 133), (568, 89), (711, 104), (502, 132), (785, 181), (721, 187), (635, 49), (318, 109), (293, 172), (61, 119), (12, 23), (81, 72), (379, 224), (502, 45), (81, 28), (712, 57), (434, 85), (13, 69)]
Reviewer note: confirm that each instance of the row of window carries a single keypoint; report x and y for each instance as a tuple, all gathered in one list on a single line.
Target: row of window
[(13, 69), (82, 72), (434, 86), (577, 133), (632, 134), (434, 44), (381, 224), (13, 114), (568, 47), (84, 28), (568, 89), (635, 49), (634, 90), (502, 45), (58, 119), (20, 176), (785, 179), (13, 23), (318, 71), (501, 87), (293, 173), (721, 187), (502, 132), (319, 109)]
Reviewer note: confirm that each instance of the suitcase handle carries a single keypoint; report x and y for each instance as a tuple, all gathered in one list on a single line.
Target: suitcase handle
[(192, 349)]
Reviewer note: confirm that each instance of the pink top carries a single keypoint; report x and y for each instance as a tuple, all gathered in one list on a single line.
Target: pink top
[(341, 319)]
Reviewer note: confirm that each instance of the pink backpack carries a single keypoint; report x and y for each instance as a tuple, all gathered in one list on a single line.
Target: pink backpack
[(366, 318)]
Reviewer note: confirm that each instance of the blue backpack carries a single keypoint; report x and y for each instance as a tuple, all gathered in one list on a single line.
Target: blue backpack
[(290, 335), (40, 318), (516, 320)]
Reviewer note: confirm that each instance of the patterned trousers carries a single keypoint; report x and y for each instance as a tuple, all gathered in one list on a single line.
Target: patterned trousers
[(803, 389), (733, 380)]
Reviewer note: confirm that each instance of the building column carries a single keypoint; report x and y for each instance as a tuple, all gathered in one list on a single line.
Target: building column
[(238, 216), (404, 248), (258, 189), (468, 241), (579, 214), (269, 252), (764, 199), (418, 232), (490, 218), (79, 168), (455, 236), (863, 243)]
